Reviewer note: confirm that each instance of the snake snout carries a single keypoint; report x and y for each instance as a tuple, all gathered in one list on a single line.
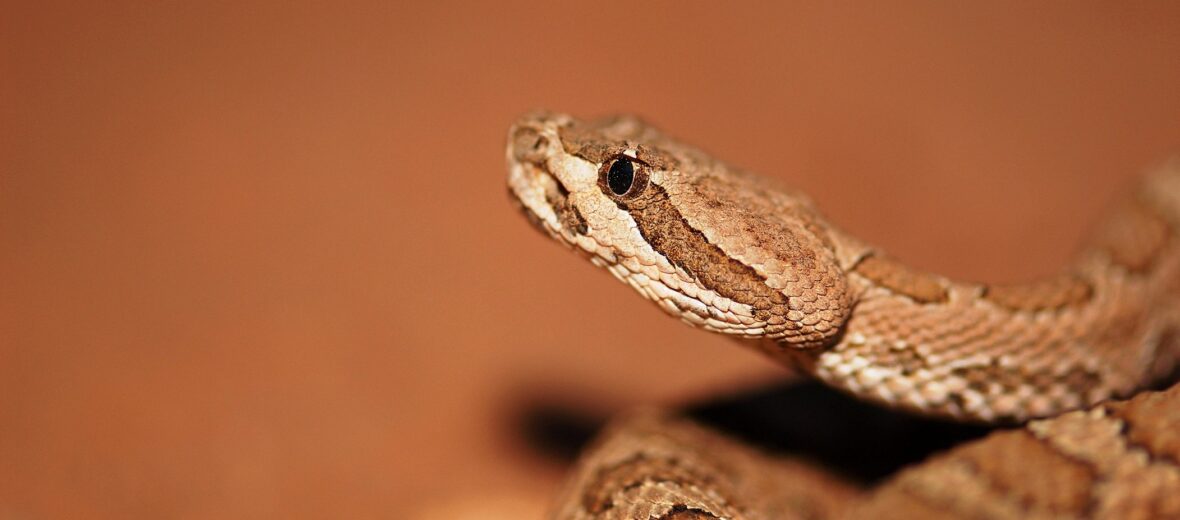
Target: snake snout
[(531, 185), (528, 145)]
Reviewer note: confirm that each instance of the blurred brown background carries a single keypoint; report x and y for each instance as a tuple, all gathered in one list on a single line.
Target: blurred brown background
[(258, 260)]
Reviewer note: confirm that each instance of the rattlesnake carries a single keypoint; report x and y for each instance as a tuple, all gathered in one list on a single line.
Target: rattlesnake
[(734, 253)]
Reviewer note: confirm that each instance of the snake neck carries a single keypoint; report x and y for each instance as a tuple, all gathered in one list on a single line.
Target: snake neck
[(1105, 326)]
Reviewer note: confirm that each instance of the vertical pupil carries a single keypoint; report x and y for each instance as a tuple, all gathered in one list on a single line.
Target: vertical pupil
[(620, 176)]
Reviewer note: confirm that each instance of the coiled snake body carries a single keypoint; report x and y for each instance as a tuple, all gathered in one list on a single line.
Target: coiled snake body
[(734, 253)]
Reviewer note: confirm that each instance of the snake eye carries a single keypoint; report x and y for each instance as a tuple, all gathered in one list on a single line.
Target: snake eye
[(623, 176)]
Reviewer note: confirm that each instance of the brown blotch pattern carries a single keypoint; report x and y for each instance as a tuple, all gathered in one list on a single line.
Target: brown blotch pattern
[(680, 512), (1067, 290), (587, 143), (898, 278), (662, 225), (895, 500), (1078, 381), (985, 378), (1059, 485), (587, 140), (1072, 466), (908, 360), (1153, 423), (572, 219), (637, 470), (1134, 236)]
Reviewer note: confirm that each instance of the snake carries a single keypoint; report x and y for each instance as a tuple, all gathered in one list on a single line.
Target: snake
[(1067, 360)]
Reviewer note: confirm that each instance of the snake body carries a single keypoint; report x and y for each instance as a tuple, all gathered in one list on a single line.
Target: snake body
[(738, 254)]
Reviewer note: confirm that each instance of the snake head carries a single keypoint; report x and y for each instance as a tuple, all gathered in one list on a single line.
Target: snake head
[(717, 247)]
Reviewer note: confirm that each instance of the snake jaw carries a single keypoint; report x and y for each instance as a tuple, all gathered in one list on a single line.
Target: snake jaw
[(524, 188)]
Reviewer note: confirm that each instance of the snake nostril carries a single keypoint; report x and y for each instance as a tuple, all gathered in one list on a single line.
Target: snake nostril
[(528, 145)]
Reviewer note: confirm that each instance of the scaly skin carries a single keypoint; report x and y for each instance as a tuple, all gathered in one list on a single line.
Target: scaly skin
[(1117, 461), (654, 465), (734, 253)]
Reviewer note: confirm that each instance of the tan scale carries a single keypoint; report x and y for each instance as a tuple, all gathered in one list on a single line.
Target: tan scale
[(1116, 461), (738, 254)]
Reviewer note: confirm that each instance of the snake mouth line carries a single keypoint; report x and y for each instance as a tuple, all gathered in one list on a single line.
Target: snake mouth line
[(538, 194)]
